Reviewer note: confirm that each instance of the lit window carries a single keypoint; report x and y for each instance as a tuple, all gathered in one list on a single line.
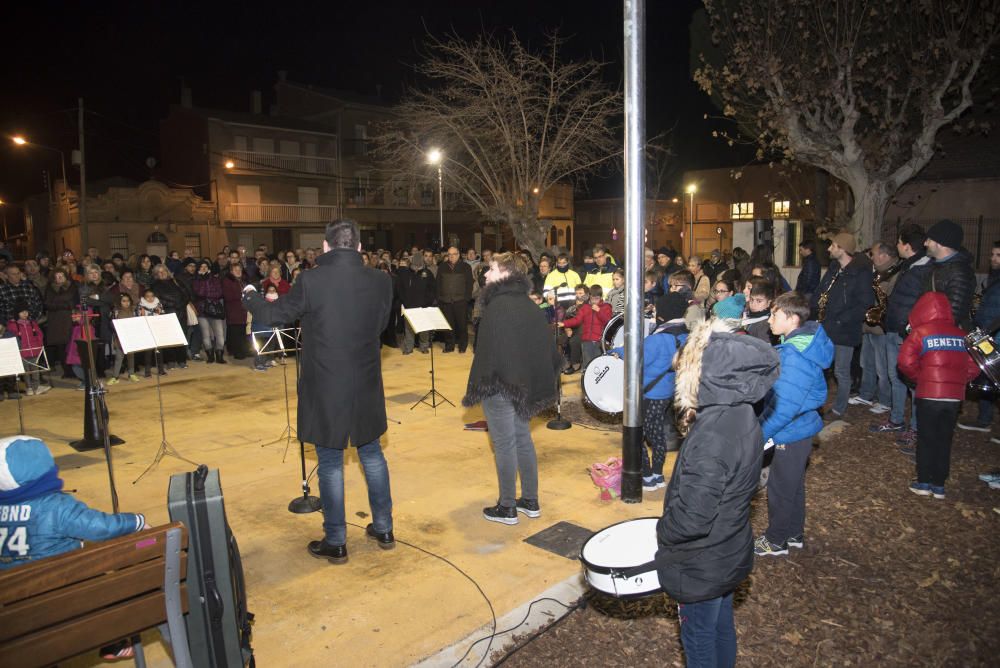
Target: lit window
[(742, 211), (779, 209)]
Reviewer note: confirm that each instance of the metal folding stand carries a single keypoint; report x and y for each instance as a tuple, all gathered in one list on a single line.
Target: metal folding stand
[(436, 398), (279, 342), (165, 447), (558, 423)]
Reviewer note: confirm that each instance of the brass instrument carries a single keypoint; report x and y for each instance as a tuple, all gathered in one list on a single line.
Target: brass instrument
[(874, 315), (825, 297)]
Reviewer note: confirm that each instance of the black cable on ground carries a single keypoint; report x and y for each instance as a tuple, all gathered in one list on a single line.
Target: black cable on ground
[(493, 614), (580, 602)]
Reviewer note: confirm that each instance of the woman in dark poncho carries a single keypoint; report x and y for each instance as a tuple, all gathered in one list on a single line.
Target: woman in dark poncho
[(514, 376)]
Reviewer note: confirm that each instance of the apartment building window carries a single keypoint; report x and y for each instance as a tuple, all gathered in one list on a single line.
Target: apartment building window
[(779, 208), (239, 143), (263, 145), (793, 235), (119, 243), (288, 147), (361, 139), (560, 202), (741, 211), (192, 245)]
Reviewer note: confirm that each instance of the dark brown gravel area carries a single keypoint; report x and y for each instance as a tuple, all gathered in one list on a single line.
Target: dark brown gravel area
[(886, 578)]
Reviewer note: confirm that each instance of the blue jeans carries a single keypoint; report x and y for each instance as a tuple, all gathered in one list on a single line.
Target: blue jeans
[(331, 489), (874, 376), (842, 357), (513, 450), (708, 632), (985, 418), (899, 390)]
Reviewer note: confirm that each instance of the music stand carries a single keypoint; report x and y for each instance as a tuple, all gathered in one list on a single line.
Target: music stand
[(12, 364), (279, 341), (153, 332), (422, 320)]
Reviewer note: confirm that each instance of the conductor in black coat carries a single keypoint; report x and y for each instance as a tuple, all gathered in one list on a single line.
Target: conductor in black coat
[(343, 307)]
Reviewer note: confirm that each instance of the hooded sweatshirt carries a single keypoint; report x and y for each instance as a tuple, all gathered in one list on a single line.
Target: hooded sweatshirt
[(705, 539), (789, 413), (37, 519)]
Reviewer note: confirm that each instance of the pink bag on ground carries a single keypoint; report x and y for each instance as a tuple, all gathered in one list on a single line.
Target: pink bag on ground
[(608, 477)]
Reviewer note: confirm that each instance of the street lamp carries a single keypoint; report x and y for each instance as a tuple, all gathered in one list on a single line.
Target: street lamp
[(230, 164), (436, 157), (21, 141), (691, 190)]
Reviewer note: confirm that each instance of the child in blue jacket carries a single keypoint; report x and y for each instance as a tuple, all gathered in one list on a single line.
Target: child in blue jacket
[(38, 519), (791, 419), (658, 351)]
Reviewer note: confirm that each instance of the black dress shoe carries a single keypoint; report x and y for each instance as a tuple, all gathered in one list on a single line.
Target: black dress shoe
[(385, 540), (336, 554)]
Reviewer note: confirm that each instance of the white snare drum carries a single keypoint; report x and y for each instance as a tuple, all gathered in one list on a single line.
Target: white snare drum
[(604, 383), (612, 555)]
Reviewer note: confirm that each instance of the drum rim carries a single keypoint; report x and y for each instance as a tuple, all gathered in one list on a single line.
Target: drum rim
[(583, 391), (604, 332), (608, 570)]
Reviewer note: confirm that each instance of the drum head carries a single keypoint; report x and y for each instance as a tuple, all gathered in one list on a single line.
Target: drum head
[(614, 333), (618, 547), (604, 383)]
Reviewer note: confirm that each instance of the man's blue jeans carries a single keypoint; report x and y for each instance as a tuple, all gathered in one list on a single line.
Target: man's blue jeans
[(331, 489), (874, 374), (842, 357), (708, 632), (899, 390)]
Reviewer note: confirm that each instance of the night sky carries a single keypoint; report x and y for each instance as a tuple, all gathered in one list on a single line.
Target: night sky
[(128, 60)]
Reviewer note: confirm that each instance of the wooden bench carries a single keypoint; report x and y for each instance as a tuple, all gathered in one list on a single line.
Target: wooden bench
[(57, 608)]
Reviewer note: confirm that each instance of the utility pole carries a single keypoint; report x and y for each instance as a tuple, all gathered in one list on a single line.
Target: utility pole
[(84, 237)]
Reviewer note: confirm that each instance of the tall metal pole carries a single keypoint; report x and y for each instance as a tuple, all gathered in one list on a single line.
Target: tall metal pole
[(635, 138), (84, 236), (691, 225), (441, 203)]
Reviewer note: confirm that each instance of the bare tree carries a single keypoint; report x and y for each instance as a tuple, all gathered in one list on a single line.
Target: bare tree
[(510, 122), (855, 87)]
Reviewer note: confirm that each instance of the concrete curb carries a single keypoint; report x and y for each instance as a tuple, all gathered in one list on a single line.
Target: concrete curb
[(542, 614)]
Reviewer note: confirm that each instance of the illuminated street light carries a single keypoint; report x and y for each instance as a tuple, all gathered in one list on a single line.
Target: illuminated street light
[(434, 156), (535, 190), (230, 164), (19, 140)]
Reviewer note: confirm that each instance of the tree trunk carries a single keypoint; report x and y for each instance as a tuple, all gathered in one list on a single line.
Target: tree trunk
[(529, 235), (871, 199)]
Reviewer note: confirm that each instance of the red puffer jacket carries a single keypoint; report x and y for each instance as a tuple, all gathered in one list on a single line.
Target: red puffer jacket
[(934, 353), (593, 321)]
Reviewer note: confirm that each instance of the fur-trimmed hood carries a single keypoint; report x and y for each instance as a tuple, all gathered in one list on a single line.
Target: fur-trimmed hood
[(512, 283), (723, 369)]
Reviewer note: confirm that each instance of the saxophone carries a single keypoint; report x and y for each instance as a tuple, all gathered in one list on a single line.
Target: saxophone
[(874, 315), (825, 297)]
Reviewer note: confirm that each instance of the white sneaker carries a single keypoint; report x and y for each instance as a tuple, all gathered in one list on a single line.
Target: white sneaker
[(994, 439), (857, 400), (42, 389), (878, 408), (30, 391), (971, 426)]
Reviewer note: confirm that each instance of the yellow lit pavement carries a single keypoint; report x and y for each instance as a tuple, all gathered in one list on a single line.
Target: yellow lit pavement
[(382, 608)]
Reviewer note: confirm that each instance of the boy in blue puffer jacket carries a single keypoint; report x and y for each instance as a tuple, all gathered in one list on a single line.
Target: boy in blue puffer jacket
[(791, 419), (37, 519), (658, 376)]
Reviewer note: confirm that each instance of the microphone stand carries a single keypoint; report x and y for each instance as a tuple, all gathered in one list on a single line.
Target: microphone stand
[(307, 503), (558, 422), (95, 401)]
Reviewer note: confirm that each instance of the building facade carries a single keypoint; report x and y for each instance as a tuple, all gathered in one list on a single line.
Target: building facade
[(602, 221)]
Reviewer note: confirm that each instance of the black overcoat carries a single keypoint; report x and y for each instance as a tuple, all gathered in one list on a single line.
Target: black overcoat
[(343, 307)]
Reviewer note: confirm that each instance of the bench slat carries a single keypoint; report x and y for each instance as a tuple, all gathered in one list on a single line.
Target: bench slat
[(79, 565), (63, 641), (61, 605)]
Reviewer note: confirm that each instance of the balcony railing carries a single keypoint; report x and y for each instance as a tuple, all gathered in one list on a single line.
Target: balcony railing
[(399, 198), (280, 213), (289, 163)]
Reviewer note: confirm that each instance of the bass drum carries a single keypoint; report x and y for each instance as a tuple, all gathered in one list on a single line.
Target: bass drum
[(604, 384), (614, 332), (618, 560), (983, 349)]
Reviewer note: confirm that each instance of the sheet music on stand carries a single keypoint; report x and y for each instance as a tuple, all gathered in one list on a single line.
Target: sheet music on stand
[(148, 332), (429, 319), (277, 341), (11, 362)]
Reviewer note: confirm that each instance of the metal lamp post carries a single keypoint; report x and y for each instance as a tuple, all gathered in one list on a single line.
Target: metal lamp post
[(436, 157), (691, 190), (21, 141)]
